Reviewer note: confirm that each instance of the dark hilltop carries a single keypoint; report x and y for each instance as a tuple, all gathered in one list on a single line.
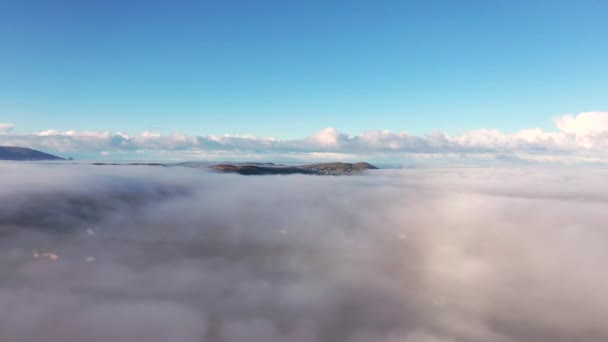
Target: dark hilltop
[(333, 169), (261, 169), (24, 154)]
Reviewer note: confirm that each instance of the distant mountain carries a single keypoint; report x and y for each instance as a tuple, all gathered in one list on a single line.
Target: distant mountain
[(24, 154), (253, 170), (129, 164), (334, 169), (339, 168)]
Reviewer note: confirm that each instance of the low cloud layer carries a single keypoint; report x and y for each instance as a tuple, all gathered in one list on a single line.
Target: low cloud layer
[(146, 254), (582, 137)]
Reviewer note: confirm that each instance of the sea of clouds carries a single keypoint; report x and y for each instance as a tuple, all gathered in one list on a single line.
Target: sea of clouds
[(421, 255)]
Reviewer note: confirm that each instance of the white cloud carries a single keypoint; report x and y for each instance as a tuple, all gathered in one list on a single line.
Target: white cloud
[(433, 255), (6, 127), (578, 137), (329, 137), (583, 123)]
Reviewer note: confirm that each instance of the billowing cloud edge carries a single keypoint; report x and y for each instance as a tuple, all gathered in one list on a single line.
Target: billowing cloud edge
[(581, 137)]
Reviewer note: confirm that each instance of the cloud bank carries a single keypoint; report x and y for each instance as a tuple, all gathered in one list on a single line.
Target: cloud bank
[(157, 255), (582, 137)]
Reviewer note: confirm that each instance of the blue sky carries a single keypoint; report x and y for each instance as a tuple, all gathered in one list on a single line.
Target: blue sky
[(291, 68)]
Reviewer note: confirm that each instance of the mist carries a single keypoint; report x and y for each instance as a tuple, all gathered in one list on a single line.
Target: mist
[(420, 255)]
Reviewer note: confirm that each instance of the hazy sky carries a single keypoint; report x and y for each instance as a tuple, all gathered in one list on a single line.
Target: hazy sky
[(288, 69)]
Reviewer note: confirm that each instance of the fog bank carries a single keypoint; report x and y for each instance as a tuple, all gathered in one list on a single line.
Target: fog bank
[(171, 254)]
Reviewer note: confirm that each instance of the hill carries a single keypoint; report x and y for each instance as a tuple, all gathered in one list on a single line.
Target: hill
[(24, 154), (334, 169)]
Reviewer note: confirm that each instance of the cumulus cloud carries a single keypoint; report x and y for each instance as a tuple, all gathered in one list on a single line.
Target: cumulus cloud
[(583, 123), (582, 137), (436, 255)]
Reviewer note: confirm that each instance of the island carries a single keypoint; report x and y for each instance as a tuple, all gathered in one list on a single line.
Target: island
[(332, 169)]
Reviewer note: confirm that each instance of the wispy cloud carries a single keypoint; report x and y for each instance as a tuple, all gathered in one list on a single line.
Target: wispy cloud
[(6, 127), (577, 137)]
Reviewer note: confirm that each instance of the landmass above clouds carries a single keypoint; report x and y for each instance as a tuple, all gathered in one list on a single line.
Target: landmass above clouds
[(24, 154), (259, 169)]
